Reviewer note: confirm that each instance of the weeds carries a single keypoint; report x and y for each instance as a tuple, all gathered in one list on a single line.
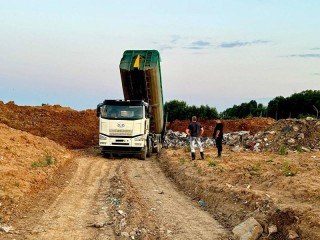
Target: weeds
[(182, 160), (212, 163), (220, 168), (36, 164), (299, 149), (255, 170), (187, 148), (283, 150), (45, 162), (289, 170)]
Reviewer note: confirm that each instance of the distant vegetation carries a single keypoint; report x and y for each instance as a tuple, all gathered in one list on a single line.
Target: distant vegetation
[(298, 105), (180, 110)]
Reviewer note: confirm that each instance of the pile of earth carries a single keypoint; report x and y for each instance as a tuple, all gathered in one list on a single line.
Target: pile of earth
[(27, 163), (280, 191), (252, 125), (79, 129), (70, 128)]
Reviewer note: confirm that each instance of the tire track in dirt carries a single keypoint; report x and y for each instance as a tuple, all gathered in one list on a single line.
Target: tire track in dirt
[(177, 216), (78, 206), (153, 206)]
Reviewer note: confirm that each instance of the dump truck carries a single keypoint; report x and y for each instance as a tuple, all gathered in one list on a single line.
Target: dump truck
[(135, 124)]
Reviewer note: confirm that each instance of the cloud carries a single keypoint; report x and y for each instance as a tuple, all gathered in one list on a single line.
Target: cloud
[(316, 48), (198, 45), (241, 44), (175, 39), (307, 55), (165, 47)]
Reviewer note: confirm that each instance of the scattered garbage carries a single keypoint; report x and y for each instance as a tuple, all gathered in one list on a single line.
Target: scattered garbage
[(202, 203), (295, 135), (115, 200), (5, 228)]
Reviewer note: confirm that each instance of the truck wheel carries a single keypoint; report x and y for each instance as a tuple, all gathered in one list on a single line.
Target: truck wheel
[(149, 148), (143, 154), (159, 146)]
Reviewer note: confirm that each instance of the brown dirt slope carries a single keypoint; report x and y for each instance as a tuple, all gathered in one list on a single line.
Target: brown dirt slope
[(27, 162), (280, 190), (79, 129), (72, 129), (250, 124)]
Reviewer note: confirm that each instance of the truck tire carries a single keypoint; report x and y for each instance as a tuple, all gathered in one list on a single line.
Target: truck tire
[(159, 146), (149, 148), (143, 154)]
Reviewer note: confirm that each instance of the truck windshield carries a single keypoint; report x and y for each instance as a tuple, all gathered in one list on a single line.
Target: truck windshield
[(122, 112)]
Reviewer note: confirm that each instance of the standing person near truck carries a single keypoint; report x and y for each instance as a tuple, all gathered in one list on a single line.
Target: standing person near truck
[(195, 131), (218, 136)]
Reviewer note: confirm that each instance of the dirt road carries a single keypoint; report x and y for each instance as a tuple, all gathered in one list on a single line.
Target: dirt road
[(116, 199)]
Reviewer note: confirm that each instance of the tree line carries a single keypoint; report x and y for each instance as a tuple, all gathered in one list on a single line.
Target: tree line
[(179, 110), (298, 105)]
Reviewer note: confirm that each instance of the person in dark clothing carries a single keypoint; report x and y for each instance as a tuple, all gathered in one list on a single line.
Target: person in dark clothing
[(195, 131), (218, 136)]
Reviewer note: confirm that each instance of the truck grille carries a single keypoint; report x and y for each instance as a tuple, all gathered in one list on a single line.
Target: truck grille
[(120, 132)]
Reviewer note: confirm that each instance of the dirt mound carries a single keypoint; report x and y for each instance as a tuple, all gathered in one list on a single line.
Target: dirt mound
[(281, 190), (70, 128), (79, 129), (249, 124), (26, 163)]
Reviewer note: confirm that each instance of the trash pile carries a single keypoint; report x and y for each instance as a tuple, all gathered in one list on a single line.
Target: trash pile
[(297, 135), (178, 139)]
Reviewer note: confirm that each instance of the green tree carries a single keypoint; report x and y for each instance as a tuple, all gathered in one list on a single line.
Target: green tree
[(176, 110), (181, 111), (297, 105)]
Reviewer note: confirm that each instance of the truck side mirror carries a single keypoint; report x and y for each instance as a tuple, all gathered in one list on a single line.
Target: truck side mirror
[(99, 110)]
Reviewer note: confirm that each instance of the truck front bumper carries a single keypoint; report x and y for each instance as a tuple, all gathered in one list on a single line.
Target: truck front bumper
[(120, 150)]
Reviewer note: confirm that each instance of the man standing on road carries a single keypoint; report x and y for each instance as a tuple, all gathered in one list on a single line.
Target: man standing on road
[(195, 131), (218, 136)]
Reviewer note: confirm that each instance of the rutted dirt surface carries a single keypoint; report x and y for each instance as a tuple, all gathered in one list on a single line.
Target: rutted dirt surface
[(177, 216), (149, 207), (77, 206)]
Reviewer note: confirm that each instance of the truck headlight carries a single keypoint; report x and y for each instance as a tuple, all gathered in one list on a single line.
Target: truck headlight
[(102, 137), (139, 138)]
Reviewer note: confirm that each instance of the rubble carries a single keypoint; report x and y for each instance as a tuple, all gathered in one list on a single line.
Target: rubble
[(248, 230), (296, 135), (287, 135)]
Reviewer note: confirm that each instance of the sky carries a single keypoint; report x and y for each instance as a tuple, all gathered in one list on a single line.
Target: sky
[(217, 53)]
